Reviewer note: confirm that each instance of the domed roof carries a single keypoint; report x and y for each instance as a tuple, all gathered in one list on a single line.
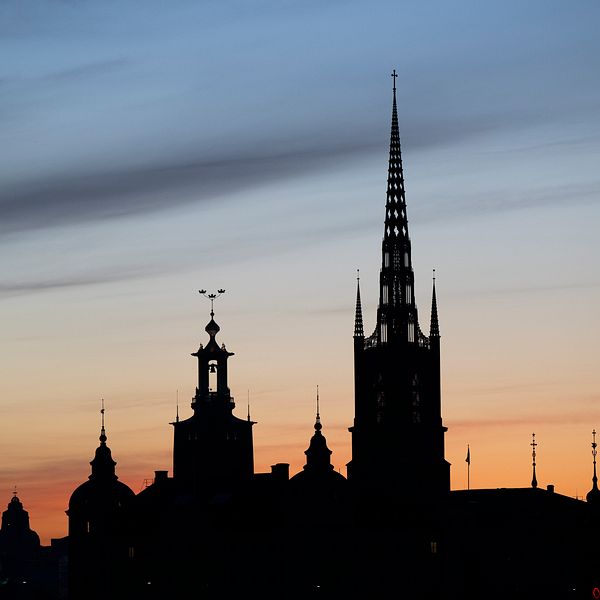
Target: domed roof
[(102, 490), (97, 494), (212, 328)]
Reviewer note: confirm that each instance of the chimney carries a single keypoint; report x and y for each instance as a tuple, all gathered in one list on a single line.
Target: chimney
[(550, 488), (281, 471), (160, 477)]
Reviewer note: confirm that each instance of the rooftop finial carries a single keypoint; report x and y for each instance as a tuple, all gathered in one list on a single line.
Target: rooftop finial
[(212, 297), (15, 492), (248, 405), (318, 425), (594, 494), (102, 430), (533, 445), (394, 75), (177, 406)]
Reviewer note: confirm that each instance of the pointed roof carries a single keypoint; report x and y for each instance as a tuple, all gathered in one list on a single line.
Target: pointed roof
[(103, 465), (396, 223), (358, 321), (434, 328), (318, 455)]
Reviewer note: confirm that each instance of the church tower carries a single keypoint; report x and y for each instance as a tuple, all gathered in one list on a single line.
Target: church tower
[(213, 449), (398, 436)]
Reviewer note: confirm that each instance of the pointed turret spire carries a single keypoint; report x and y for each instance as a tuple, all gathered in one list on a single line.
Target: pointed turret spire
[(103, 464), (358, 321), (318, 455), (434, 328), (533, 445), (594, 494)]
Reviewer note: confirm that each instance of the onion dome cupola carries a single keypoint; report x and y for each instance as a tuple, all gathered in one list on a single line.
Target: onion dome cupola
[(318, 455), (92, 503), (17, 539)]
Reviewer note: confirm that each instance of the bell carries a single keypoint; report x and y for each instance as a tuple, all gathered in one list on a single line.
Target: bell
[(212, 368)]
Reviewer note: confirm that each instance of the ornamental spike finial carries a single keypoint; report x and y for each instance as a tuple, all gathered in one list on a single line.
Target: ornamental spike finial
[(593, 496), (318, 425), (102, 430), (533, 445)]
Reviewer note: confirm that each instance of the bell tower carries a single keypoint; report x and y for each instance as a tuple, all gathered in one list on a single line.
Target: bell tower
[(213, 449), (398, 436)]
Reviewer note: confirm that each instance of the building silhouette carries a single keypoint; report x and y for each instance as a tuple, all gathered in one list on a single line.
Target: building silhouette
[(393, 528)]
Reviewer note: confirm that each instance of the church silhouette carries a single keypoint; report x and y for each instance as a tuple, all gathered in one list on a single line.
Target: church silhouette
[(392, 529)]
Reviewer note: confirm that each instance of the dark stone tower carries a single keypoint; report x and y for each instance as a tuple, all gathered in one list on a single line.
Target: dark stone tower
[(398, 436), (213, 449)]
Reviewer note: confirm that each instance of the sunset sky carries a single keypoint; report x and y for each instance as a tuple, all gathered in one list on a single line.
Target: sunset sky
[(151, 149)]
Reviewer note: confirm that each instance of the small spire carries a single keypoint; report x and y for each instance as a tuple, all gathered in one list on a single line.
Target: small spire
[(102, 430), (434, 328), (15, 492), (177, 406), (248, 406), (358, 322), (533, 445), (594, 494)]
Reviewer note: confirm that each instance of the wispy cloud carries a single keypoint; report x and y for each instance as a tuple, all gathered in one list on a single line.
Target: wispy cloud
[(20, 287)]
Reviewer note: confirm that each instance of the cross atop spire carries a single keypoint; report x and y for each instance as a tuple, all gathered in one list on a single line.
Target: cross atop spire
[(394, 75)]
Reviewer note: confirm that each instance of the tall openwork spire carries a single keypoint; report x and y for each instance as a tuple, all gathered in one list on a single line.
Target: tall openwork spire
[(396, 224), (358, 321), (434, 328), (397, 320)]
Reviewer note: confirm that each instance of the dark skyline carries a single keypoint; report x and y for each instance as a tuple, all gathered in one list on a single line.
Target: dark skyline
[(152, 153)]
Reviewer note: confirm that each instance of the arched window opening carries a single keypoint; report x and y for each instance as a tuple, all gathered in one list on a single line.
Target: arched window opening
[(212, 376)]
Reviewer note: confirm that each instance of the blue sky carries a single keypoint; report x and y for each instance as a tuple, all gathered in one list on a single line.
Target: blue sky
[(152, 149)]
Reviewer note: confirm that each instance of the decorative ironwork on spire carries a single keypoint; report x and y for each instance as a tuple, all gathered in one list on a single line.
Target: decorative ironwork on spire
[(594, 494), (318, 425), (434, 328), (102, 430), (533, 445), (358, 320)]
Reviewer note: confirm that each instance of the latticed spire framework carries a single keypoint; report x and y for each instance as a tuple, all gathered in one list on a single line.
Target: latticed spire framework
[(358, 320), (396, 224), (397, 319)]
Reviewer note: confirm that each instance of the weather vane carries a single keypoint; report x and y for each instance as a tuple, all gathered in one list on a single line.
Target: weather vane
[(533, 455), (212, 297)]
